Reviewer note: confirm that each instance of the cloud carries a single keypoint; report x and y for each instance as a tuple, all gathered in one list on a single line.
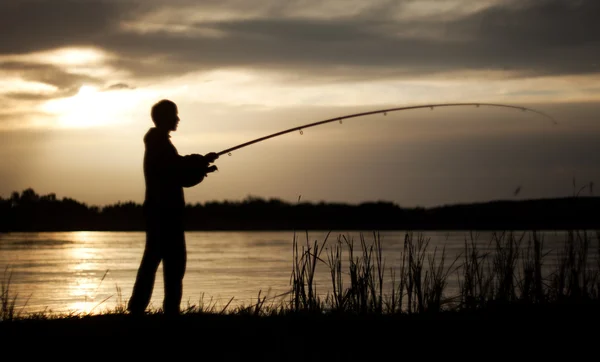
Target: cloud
[(34, 25), (45, 73), (532, 38), (119, 86), (64, 82), (409, 49), (27, 96), (150, 40)]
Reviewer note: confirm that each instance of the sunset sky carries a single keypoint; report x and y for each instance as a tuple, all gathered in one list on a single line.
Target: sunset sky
[(78, 78)]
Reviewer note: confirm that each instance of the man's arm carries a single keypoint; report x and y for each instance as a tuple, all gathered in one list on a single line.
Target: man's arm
[(185, 171), (196, 167)]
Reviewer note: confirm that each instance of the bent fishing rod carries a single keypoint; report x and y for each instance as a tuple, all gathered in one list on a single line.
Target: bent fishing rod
[(384, 111)]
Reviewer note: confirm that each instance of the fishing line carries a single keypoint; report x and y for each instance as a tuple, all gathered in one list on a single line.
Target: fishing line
[(384, 111)]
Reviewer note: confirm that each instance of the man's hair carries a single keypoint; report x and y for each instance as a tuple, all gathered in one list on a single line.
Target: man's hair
[(162, 109)]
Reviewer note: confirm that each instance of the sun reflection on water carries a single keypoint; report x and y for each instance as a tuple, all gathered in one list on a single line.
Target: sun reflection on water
[(85, 285)]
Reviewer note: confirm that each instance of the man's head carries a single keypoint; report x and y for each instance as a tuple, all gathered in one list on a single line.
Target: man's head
[(164, 115)]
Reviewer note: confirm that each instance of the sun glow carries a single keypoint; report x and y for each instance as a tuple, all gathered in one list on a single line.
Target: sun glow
[(92, 107), (75, 56)]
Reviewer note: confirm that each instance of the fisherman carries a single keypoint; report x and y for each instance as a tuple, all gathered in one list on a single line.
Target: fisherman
[(165, 173)]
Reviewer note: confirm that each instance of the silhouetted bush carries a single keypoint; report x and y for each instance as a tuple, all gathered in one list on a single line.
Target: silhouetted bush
[(28, 211)]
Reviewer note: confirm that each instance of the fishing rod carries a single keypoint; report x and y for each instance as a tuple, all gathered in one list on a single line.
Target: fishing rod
[(384, 111)]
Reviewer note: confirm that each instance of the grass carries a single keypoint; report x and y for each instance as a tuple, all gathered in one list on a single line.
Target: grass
[(7, 301), (370, 308), (510, 271)]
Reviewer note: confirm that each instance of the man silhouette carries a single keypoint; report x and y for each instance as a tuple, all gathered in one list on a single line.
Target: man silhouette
[(165, 174)]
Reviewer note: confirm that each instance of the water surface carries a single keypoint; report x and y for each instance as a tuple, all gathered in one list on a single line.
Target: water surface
[(72, 272)]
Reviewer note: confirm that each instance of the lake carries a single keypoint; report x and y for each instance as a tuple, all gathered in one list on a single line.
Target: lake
[(91, 272)]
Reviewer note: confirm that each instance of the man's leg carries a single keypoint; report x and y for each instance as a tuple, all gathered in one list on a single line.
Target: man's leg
[(174, 264), (144, 283)]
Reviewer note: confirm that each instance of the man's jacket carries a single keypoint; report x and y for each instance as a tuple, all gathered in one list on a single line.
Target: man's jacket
[(166, 172)]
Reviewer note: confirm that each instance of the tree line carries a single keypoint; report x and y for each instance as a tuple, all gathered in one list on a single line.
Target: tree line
[(28, 211)]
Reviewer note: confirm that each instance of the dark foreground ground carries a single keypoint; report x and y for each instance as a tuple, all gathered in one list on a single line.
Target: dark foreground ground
[(537, 332)]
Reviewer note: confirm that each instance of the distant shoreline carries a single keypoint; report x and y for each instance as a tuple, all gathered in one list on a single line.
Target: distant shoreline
[(28, 211)]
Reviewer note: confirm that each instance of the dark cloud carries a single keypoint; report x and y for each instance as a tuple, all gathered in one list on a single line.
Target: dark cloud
[(118, 86), (536, 38), (536, 24), (49, 74), (526, 37), (27, 96), (541, 36), (33, 25), (67, 84)]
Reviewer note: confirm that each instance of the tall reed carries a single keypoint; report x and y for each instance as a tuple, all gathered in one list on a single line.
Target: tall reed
[(507, 271), (7, 311), (361, 281)]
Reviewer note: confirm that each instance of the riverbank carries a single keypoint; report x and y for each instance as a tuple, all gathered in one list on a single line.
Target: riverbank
[(513, 329), (509, 298)]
